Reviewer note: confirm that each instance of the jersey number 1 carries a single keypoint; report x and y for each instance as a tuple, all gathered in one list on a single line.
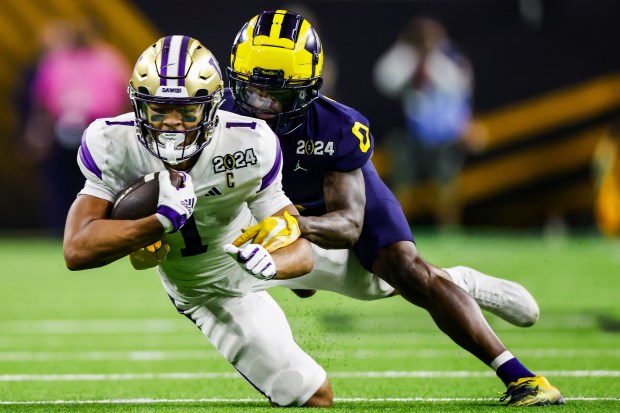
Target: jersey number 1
[(193, 242)]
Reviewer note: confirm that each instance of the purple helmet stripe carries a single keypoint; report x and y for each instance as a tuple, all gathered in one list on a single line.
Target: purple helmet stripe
[(182, 57), (216, 65), (268, 179), (87, 158), (164, 60)]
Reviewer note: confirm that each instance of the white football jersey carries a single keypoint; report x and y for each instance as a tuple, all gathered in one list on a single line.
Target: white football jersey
[(237, 179)]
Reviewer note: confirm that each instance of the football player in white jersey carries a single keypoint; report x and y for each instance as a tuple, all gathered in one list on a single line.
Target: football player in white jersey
[(231, 167)]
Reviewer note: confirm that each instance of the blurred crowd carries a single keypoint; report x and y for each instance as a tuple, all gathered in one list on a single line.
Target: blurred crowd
[(426, 71), (77, 78)]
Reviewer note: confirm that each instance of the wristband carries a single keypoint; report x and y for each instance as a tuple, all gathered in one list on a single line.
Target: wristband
[(165, 222)]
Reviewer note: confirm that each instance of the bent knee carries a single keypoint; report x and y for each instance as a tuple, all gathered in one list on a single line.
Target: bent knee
[(291, 389), (324, 396)]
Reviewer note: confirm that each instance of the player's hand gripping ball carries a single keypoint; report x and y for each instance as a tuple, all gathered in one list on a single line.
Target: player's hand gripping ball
[(140, 198), (175, 204)]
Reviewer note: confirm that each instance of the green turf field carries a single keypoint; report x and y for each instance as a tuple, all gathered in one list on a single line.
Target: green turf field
[(108, 340)]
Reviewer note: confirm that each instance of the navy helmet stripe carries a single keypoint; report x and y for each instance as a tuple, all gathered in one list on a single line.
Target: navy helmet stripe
[(290, 27), (264, 23), (313, 44)]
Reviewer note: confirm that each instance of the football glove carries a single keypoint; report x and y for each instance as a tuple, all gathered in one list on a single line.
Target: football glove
[(175, 205), (272, 233), (253, 259), (149, 256)]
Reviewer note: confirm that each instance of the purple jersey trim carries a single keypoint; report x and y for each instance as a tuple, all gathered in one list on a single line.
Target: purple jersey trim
[(124, 123), (268, 179), (87, 158), (251, 125)]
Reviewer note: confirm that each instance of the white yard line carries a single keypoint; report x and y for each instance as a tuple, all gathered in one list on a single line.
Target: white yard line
[(210, 354), (218, 400), (175, 324), (233, 375)]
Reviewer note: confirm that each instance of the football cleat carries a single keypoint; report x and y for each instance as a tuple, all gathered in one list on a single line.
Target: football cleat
[(532, 391), (506, 299)]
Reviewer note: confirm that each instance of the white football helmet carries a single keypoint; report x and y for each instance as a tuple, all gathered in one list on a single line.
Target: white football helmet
[(178, 71)]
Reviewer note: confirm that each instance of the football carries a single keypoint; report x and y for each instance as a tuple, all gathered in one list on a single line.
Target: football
[(140, 198)]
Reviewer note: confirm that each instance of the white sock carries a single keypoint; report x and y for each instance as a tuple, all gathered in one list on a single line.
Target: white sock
[(501, 359)]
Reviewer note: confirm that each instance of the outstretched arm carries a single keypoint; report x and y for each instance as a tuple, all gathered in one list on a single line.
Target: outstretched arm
[(345, 198)]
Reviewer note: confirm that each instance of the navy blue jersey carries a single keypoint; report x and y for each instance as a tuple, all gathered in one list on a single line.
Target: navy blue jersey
[(335, 137)]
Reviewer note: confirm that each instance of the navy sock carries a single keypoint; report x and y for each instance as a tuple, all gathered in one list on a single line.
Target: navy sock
[(512, 370)]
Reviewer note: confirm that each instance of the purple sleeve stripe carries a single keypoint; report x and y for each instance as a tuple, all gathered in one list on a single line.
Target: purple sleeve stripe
[(268, 179), (251, 125), (87, 158), (126, 123)]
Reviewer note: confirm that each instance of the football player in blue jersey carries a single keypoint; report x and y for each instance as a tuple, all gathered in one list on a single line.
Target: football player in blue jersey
[(275, 75)]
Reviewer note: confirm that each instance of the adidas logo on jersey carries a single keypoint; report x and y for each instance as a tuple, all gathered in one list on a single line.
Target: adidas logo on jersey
[(213, 191)]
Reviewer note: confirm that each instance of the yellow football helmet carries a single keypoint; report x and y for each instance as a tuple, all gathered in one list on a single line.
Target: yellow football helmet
[(280, 54), (177, 71)]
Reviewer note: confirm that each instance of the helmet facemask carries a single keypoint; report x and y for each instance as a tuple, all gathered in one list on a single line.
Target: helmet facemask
[(281, 103), (175, 146), (176, 81)]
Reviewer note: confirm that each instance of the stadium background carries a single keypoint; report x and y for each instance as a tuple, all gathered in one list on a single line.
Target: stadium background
[(545, 96), (544, 93)]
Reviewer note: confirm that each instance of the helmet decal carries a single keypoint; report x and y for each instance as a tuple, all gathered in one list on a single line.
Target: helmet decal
[(313, 44), (173, 57), (278, 25)]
